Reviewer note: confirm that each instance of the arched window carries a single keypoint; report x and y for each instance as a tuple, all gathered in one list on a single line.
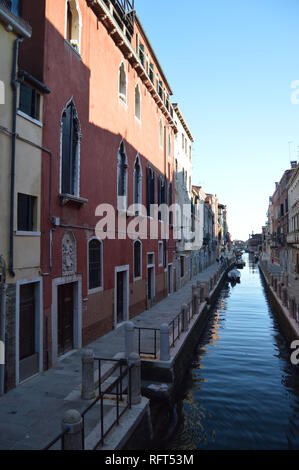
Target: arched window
[(73, 24), (122, 85), (137, 181), (95, 264), (161, 133), (137, 102), (122, 177), (70, 150), (137, 259)]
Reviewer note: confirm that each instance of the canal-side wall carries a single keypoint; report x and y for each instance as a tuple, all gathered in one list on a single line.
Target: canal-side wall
[(277, 293), (172, 372)]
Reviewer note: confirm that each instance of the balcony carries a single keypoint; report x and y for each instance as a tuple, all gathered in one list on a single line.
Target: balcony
[(124, 13), (293, 238)]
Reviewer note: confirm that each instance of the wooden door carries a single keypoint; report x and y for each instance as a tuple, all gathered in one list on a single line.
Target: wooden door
[(27, 321), (65, 318)]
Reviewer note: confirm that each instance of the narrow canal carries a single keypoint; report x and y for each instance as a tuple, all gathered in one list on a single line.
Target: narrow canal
[(242, 391)]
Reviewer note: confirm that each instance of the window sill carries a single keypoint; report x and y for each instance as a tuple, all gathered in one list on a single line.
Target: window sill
[(137, 279), (29, 118), (96, 290), (66, 198), (123, 100), (23, 233), (72, 48)]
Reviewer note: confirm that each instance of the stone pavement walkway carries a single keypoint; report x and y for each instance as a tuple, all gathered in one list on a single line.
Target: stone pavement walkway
[(30, 415)]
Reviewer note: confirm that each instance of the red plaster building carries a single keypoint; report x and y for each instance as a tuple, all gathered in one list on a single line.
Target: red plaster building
[(109, 127)]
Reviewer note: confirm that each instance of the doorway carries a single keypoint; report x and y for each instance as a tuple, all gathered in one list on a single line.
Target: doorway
[(63, 325), (29, 329), (65, 318), (150, 279), (121, 295), (28, 357), (170, 279)]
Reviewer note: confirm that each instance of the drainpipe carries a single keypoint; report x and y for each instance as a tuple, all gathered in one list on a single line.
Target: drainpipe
[(14, 85), (2, 318)]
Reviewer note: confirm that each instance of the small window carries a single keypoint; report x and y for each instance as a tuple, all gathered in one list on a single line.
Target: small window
[(122, 177), (27, 212), (29, 101), (137, 181), (142, 55), (161, 133), (165, 255), (137, 259), (73, 24), (137, 102), (169, 145), (123, 83), (182, 266), (95, 264), (151, 73), (160, 254)]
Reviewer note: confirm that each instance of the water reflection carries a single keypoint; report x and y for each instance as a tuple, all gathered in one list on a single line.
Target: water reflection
[(242, 392)]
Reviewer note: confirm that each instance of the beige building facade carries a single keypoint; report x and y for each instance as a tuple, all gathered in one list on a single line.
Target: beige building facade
[(20, 183)]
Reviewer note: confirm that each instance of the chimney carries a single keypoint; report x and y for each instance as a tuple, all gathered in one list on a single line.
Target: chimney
[(276, 185), (294, 164)]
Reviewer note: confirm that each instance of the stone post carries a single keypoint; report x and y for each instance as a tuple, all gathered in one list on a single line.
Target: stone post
[(135, 363), (194, 290), (164, 343), (202, 294), (72, 424), (185, 314), (129, 338), (88, 385), (196, 303)]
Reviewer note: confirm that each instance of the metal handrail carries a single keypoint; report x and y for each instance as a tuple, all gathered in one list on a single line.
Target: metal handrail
[(125, 371), (60, 437), (147, 353)]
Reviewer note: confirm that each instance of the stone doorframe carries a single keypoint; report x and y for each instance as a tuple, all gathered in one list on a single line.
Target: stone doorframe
[(77, 281), (38, 323), (120, 269)]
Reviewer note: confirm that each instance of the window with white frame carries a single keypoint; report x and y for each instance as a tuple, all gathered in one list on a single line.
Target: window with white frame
[(160, 254), (95, 264), (122, 177), (73, 24), (122, 84), (137, 102), (70, 150), (137, 259), (161, 133), (137, 182)]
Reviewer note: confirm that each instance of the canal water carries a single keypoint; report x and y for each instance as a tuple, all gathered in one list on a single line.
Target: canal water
[(242, 391)]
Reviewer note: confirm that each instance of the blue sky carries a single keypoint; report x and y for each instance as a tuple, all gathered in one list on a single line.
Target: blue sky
[(230, 65)]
